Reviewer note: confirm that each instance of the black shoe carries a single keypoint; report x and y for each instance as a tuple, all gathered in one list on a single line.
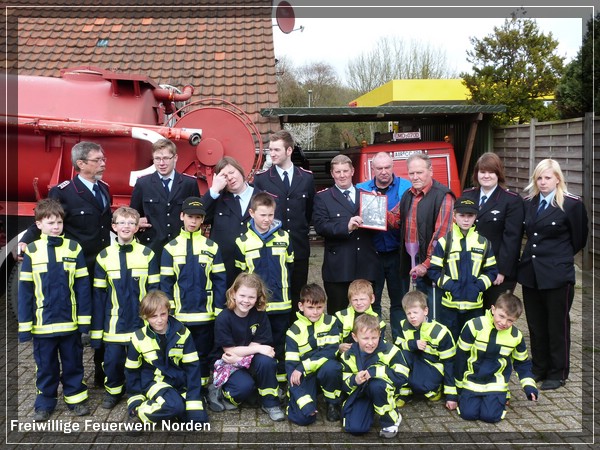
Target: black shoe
[(110, 401), (81, 409), (333, 413), (41, 415), (548, 385), (133, 425), (539, 378)]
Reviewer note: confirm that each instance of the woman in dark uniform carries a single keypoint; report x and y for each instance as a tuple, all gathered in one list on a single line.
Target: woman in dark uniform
[(500, 220), (556, 228)]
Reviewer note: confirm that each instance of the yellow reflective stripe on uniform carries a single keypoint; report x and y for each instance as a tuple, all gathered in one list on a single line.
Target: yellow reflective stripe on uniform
[(25, 326), (77, 398), (189, 357), (100, 283), (149, 408), (292, 356), (156, 388), (489, 387), (133, 364), (333, 395), (217, 268), (450, 390), (26, 276), (194, 405), (114, 390), (135, 398), (81, 272), (96, 334), (446, 354), (268, 391), (54, 328), (84, 320), (304, 400), (194, 317), (154, 278), (279, 306), (167, 271), (117, 337)]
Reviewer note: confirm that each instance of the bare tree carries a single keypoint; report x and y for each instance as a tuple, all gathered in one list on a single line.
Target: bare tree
[(392, 58)]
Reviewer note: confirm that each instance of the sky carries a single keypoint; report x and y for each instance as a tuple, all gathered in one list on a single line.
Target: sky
[(337, 41)]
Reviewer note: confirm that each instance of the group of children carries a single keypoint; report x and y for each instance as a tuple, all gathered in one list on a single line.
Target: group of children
[(167, 322)]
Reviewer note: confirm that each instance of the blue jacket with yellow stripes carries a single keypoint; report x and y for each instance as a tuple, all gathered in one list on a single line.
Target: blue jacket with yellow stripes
[(485, 357), (149, 369), (270, 256), (309, 345), (192, 274), (387, 362), (464, 270), (439, 353), (123, 275), (54, 289)]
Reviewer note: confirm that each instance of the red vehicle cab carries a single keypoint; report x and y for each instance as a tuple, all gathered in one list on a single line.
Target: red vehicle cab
[(443, 160)]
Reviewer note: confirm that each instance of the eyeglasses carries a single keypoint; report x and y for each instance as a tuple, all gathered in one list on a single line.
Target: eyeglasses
[(95, 161), (165, 159), (123, 223)]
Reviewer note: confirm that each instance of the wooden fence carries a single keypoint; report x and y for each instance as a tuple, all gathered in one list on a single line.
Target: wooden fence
[(571, 143)]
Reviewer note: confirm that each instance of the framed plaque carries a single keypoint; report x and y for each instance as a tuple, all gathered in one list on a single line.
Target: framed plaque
[(373, 210)]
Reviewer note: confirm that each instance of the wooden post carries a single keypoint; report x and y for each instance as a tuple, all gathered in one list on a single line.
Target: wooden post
[(588, 148), (469, 149), (532, 126)]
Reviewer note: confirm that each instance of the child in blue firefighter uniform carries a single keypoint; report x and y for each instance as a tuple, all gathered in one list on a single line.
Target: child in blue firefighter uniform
[(429, 352), (361, 298), (162, 368), (124, 272), (266, 249), (55, 308), (372, 371), (464, 266), (243, 340), (488, 348), (192, 274), (310, 349)]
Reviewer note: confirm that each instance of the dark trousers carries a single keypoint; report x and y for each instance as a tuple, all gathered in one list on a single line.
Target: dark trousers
[(114, 367), (486, 406), (262, 374), (204, 339), (549, 325), (298, 279), (397, 286), (279, 326), (455, 319), (434, 297), (167, 404), (491, 294), (303, 398), (424, 378), (337, 296), (373, 396), (50, 353)]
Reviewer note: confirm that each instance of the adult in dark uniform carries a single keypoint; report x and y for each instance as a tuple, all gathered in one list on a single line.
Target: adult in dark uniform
[(500, 220), (158, 197), (86, 201), (294, 190), (349, 251), (556, 229), (226, 204)]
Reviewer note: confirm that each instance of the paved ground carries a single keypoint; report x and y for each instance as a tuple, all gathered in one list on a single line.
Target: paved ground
[(563, 418)]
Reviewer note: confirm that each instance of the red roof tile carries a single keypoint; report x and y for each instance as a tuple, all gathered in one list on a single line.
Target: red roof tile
[(222, 55)]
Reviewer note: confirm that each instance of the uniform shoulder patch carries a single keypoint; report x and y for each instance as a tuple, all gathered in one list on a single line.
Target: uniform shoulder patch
[(72, 245), (103, 253), (139, 334), (64, 184), (322, 190), (260, 172), (305, 170), (209, 242), (573, 196), (104, 183), (528, 197), (31, 247), (189, 176), (294, 329), (281, 232), (471, 189), (508, 191), (514, 331), (146, 251)]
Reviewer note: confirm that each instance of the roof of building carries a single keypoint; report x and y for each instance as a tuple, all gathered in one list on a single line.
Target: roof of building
[(224, 55), (416, 91)]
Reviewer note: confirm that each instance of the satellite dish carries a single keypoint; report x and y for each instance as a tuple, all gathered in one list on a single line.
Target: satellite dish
[(284, 14)]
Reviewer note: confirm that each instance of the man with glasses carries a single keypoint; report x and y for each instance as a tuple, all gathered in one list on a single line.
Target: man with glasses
[(158, 197), (86, 201)]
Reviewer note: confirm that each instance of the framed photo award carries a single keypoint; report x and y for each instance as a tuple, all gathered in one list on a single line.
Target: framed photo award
[(373, 210)]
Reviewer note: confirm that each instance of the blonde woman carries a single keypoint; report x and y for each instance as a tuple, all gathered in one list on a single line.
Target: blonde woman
[(556, 229)]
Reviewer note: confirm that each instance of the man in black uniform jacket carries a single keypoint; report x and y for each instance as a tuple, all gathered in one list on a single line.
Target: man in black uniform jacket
[(294, 190), (158, 197), (86, 201)]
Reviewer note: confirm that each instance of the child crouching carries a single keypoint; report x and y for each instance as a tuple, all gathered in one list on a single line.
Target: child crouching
[(162, 368)]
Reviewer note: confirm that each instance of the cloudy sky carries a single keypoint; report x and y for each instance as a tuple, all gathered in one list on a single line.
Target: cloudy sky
[(337, 40)]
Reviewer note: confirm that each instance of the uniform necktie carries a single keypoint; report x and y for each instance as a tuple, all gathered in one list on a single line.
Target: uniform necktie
[(166, 184), (286, 180), (542, 207), (347, 195), (482, 201), (239, 201), (98, 196)]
